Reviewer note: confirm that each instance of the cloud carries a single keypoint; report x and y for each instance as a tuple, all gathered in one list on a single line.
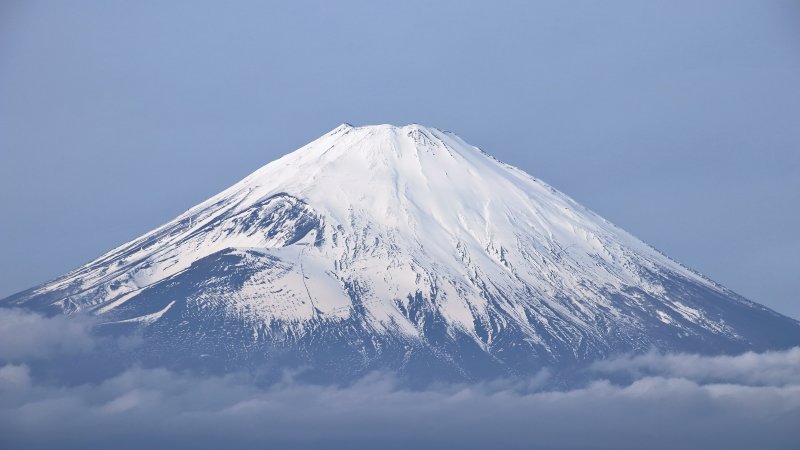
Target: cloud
[(156, 407), (25, 335), (14, 377), (670, 401), (769, 368)]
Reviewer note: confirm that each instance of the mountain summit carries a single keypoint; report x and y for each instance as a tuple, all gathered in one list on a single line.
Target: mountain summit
[(402, 248)]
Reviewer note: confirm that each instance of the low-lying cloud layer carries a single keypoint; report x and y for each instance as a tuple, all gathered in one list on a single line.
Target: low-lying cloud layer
[(670, 401)]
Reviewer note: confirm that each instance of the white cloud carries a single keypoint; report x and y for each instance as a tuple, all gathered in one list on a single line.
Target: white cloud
[(25, 335), (770, 368)]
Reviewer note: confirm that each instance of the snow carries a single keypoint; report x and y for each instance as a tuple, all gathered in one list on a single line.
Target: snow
[(148, 318), (402, 211)]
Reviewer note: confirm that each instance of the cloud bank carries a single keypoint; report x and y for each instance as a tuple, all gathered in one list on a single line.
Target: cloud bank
[(670, 401)]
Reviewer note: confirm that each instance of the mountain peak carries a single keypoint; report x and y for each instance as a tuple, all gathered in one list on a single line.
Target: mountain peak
[(386, 127)]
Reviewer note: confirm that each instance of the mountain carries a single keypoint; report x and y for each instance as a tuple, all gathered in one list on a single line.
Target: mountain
[(402, 248)]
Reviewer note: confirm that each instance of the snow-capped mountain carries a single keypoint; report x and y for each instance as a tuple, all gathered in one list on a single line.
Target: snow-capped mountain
[(403, 248)]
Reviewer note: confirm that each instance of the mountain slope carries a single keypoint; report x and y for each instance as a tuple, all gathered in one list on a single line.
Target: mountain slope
[(403, 248)]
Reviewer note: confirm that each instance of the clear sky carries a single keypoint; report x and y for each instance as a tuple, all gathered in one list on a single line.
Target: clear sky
[(677, 120)]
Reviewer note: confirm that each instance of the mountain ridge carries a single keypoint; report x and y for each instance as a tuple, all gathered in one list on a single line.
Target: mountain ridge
[(404, 248)]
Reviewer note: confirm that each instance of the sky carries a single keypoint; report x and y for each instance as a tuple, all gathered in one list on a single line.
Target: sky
[(677, 120)]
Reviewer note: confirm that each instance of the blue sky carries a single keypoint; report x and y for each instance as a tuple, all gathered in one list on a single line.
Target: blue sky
[(679, 120)]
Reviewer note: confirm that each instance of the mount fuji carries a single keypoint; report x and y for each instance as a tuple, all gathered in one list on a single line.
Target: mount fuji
[(403, 249)]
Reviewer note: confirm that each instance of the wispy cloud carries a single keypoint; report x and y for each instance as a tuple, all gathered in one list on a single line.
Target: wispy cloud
[(769, 368), (25, 335)]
